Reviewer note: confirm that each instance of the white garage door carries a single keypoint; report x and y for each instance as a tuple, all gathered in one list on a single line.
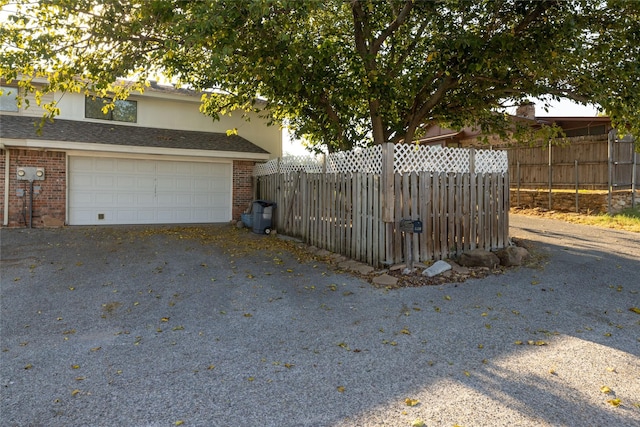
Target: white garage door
[(104, 190)]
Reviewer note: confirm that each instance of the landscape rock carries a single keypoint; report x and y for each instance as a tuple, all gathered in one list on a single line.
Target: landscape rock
[(479, 258), (385, 280), (512, 256), (458, 269), (438, 267), (356, 266)]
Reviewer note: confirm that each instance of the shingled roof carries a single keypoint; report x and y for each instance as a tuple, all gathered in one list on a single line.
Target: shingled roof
[(20, 127)]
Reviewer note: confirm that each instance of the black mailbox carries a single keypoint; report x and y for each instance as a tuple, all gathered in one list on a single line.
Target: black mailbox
[(411, 226)]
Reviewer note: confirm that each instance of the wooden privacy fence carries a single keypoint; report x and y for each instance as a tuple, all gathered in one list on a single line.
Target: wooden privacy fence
[(352, 203), (602, 162)]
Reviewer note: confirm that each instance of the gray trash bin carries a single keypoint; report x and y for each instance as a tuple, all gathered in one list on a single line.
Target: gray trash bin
[(262, 211)]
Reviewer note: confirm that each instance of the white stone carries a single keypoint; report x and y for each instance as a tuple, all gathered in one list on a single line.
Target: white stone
[(438, 267)]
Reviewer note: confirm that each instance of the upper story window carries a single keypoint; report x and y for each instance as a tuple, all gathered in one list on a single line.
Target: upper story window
[(8, 100), (123, 111)]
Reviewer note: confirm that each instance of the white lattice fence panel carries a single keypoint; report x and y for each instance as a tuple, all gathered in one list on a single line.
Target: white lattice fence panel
[(267, 168), (368, 160), (288, 164), (491, 161), (417, 158), (300, 163), (407, 158)]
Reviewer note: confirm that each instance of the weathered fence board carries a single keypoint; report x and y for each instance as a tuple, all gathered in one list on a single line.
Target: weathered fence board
[(343, 211)]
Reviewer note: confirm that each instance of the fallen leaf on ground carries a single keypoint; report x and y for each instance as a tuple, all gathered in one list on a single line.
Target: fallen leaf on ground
[(341, 389), (411, 402), (635, 310), (605, 389), (614, 402)]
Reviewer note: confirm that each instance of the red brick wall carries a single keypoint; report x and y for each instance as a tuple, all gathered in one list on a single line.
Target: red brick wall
[(242, 187), (49, 202)]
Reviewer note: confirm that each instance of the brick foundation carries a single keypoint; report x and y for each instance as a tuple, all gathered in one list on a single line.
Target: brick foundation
[(49, 195)]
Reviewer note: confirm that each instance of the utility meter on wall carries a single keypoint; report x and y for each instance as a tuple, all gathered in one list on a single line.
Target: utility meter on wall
[(29, 173)]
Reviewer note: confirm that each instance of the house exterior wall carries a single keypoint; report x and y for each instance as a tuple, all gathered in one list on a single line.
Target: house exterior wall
[(177, 111), (157, 109), (49, 198)]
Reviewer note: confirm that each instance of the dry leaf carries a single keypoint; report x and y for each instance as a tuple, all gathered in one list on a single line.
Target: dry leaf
[(178, 423), (75, 392), (605, 389), (341, 389), (405, 331), (164, 319), (635, 310), (411, 402), (417, 423), (614, 402)]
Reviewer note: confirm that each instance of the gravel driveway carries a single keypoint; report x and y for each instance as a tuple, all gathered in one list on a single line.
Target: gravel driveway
[(213, 326)]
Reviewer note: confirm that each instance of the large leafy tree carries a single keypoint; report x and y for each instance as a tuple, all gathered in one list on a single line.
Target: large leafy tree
[(342, 73)]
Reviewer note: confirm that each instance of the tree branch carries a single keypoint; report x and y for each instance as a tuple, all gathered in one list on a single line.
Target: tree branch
[(402, 16), (541, 7)]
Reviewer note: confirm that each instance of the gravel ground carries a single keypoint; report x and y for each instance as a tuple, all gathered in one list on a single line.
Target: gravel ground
[(213, 326)]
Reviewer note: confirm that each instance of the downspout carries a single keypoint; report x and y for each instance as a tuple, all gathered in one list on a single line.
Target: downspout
[(5, 220)]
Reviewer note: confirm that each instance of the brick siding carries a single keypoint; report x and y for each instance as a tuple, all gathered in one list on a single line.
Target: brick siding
[(48, 200), (242, 187)]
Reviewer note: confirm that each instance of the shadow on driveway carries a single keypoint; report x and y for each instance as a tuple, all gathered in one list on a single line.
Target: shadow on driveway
[(214, 326)]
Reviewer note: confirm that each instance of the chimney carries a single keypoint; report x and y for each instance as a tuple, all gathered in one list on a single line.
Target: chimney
[(526, 110)]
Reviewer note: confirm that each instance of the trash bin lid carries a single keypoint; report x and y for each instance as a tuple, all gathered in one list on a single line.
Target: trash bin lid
[(265, 203)]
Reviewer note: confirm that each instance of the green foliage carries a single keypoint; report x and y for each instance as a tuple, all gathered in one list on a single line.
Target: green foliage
[(343, 74)]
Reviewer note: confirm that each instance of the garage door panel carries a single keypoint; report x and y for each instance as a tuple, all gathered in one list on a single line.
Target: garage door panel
[(135, 191), (104, 198), (146, 167), (126, 181), (105, 165)]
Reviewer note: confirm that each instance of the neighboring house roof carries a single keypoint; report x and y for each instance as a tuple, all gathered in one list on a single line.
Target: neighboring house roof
[(21, 127), (572, 126)]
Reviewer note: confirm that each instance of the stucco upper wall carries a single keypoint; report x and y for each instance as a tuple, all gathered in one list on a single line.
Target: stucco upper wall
[(179, 112)]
